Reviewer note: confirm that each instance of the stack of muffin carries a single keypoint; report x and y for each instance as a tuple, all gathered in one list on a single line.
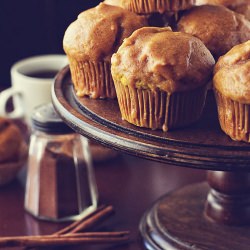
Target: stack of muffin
[(160, 75)]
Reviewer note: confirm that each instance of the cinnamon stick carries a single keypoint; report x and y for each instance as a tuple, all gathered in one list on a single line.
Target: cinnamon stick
[(95, 234), (71, 235), (92, 219), (66, 240), (65, 236)]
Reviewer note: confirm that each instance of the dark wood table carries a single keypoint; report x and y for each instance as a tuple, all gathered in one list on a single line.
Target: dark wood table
[(128, 183)]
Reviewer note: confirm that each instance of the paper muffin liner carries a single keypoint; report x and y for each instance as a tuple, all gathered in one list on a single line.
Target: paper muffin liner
[(149, 6), (92, 79), (159, 109), (233, 117)]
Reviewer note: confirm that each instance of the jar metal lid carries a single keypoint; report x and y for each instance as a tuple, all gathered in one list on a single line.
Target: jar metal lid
[(46, 119)]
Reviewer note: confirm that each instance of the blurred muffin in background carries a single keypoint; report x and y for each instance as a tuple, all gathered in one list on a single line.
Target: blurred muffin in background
[(89, 43), (13, 150), (216, 26)]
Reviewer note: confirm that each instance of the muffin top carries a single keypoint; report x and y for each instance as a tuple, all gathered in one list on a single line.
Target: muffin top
[(10, 141), (232, 73), (98, 32), (158, 58), (150, 6), (218, 27)]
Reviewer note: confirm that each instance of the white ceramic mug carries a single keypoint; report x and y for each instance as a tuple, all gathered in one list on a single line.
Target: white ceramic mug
[(31, 85)]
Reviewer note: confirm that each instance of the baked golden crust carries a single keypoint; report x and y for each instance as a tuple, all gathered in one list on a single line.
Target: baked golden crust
[(157, 58), (10, 141), (150, 6), (232, 74), (98, 32), (218, 27)]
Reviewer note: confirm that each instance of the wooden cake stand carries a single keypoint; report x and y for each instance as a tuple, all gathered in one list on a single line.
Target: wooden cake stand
[(194, 217)]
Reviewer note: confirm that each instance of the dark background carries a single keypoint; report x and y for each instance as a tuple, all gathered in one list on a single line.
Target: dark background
[(34, 27)]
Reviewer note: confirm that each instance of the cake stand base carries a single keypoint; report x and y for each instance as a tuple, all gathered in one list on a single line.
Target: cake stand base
[(177, 221)]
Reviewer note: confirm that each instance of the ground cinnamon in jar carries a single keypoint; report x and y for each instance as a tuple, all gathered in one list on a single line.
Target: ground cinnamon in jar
[(60, 182)]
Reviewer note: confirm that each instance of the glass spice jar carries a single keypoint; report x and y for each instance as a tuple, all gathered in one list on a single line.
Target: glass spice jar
[(60, 182)]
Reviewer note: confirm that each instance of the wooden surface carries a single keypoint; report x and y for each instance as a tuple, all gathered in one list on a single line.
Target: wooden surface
[(128, 183), (202, 145), (228, 201), (177, 222)]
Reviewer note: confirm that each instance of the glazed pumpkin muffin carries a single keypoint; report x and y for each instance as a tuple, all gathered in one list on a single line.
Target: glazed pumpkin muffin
[(232, 91), (89, 43), (216, 26), (161, 78)]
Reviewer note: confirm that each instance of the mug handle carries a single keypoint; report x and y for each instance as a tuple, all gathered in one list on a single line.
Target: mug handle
[(18, 111)]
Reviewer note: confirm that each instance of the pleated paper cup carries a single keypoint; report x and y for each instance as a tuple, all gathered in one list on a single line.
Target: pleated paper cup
[(159, 109), (92, 79), (233, 117), (149, 6)]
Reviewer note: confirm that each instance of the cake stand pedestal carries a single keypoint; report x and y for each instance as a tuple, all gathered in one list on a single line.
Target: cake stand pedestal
[(194, 217), (189, 219)]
